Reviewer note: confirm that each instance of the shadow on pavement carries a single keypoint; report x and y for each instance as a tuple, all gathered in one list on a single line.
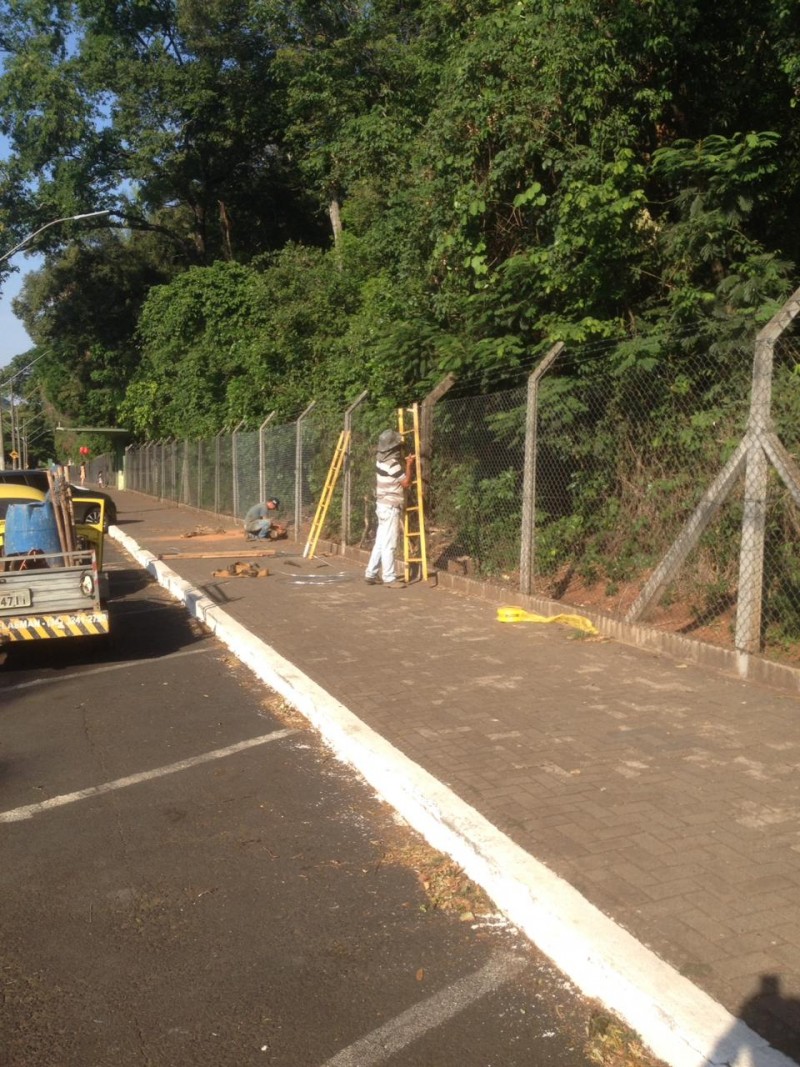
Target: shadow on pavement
[(769, 1015)]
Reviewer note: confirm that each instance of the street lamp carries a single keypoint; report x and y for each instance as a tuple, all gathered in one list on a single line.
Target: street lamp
[(47, 225), (8, 255)]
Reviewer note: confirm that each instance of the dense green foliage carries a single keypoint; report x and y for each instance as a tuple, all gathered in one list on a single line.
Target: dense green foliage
[(309, 199)]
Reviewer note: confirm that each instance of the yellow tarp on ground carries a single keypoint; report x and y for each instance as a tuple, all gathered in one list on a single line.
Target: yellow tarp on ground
[(579, 622)]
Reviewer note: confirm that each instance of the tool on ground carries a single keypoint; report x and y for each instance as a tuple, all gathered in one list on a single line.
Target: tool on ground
[(341, 450), (414, 547), (579, 622)]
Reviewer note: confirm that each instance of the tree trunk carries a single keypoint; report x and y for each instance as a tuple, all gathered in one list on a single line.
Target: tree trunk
[(199, 234), (336, 221), (225, 222)]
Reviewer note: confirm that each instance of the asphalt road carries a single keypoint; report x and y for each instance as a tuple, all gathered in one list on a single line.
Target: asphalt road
[(188, 877)]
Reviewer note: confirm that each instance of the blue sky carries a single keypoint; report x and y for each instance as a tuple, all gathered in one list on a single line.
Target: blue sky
[(13, 338)]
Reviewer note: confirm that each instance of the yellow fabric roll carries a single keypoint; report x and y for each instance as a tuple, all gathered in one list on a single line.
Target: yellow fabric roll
[(579, 622)]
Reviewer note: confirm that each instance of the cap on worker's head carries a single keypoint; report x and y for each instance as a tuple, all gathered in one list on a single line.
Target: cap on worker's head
[(389, 441), (274, 501)]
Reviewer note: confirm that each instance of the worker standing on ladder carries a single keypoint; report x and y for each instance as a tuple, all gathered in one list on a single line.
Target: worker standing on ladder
[(392, 479)]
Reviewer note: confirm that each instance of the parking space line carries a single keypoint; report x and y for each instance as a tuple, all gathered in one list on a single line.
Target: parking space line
[(417, 1021), (209, 647), (27, 812)]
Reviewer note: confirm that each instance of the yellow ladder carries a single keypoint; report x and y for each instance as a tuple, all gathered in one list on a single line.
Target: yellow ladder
[(342, 445), (414, 548)]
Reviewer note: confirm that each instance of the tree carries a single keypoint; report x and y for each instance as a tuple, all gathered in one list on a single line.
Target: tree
[(355, 87), (163, 111), (82, 310)]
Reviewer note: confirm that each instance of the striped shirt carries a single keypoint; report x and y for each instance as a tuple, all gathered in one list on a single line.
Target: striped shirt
[(389, 491)]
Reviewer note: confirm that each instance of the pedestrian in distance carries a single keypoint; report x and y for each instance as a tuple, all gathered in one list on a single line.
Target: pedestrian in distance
[(258, 522), (392, 477)]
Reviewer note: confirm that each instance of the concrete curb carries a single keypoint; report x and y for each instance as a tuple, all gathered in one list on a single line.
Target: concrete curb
[(680, 1023)]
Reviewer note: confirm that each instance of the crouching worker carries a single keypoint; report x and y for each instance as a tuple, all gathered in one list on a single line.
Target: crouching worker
[(392, 478), (258, 522)]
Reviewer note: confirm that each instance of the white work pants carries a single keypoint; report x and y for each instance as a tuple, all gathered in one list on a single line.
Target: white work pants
[(385, 547)]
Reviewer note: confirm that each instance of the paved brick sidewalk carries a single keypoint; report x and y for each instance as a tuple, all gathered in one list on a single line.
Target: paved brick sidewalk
[(667, 794)]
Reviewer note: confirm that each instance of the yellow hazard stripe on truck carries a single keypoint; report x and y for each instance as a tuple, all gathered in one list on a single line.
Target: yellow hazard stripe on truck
[(71, 624)]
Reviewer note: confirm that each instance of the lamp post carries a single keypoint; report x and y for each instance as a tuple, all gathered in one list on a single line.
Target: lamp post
[(7, 255), (47, 225)]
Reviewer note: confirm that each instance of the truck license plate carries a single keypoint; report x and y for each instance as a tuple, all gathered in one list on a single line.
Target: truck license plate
[(16, 598)]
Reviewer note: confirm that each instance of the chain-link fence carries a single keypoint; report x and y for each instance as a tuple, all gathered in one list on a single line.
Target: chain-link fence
[(475, 500), (624, 456), (781, 579), (660, 487)]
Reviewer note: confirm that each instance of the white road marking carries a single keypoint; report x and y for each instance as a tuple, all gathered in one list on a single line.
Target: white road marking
[(18, 814), (412, 1024), (104, 670)]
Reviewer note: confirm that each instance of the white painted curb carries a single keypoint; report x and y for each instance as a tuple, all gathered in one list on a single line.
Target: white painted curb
[(680, 1023)]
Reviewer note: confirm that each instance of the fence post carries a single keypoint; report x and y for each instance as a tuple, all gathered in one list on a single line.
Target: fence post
[(127, 468), (759, 426), (164, 462), (199, 496), (235, 465), (528, 531), (758, 446), (217, 445), (173, 471), (298, 470), (186, 481), (347, 481), (426, 430), (151, 468), (262, 456), (162, 469), (153, 453)]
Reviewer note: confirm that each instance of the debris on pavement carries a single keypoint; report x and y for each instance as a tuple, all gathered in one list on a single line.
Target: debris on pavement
[(319, 579), (610, 1043), (241, 570), (204, 531)]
